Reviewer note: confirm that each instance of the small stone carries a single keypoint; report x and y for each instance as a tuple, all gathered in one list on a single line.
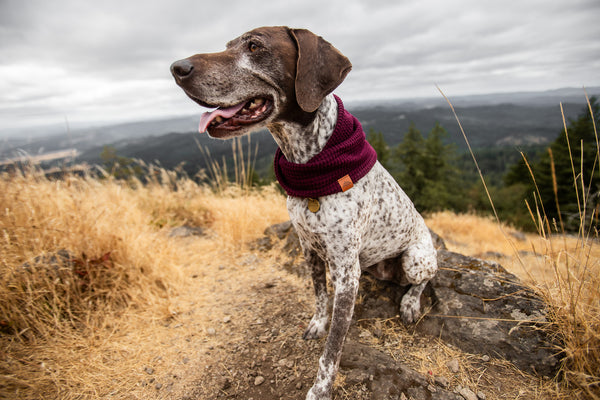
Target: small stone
[(441, 381), (453, 366), (485, 358), (158, 386), (467, 394), (225, 384), (186, 360), (258, 380), (481, 395), (227, 319), (365, 335), (211, 331), (149, 370), (299, 386)]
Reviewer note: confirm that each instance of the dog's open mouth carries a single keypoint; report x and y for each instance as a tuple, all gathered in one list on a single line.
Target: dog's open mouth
[(237, 116)]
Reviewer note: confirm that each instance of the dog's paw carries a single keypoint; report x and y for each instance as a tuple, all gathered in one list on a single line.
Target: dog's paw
[(317, 328), (410, 309), (317, 393)]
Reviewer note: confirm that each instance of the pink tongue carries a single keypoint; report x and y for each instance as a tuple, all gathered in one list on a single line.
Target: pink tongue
[(228, 112)]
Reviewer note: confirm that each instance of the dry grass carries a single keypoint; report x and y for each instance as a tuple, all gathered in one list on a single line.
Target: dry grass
[(89, 275), (566, 273)]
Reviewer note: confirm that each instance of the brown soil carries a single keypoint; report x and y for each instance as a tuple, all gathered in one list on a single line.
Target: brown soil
[(253, 348)]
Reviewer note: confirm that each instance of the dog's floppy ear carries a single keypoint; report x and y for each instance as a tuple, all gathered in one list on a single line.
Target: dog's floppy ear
[(320, 69)]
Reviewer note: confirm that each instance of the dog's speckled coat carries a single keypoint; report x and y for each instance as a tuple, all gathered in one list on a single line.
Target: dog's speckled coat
[(353, 231)]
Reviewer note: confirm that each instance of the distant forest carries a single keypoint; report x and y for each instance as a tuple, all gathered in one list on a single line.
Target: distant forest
[(560, 183)]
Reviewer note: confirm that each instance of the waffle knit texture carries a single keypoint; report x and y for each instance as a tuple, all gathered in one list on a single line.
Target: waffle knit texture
[(347, 152)]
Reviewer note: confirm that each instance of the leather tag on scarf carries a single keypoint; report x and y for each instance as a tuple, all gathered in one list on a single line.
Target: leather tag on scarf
[(345, 183)]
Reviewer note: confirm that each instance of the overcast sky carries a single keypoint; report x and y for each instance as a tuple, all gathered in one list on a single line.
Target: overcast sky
[(106, 60)]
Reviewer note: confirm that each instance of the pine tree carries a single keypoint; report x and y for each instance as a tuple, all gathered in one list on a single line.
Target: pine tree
[(410, 153), (442, 183), (382, 149), (428, 176)]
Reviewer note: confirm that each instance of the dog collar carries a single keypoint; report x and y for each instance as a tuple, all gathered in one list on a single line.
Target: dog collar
[(345, 159)]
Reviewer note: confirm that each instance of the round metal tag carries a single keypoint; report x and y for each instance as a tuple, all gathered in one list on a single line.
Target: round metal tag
[(313, 205)]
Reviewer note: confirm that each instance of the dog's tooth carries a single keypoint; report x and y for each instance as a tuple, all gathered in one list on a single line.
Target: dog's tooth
[(256, 103), (218, 119)]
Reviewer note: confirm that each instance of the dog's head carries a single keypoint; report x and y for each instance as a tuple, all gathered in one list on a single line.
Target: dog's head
[(268, 74)]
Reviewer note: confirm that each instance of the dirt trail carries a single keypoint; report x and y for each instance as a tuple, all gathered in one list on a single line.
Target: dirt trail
[(235, 333)]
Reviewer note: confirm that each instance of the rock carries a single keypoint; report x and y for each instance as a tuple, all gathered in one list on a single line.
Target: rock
[(186, 231), (149, 370), (52, 262), (453, 366), (438, 242), (441, 381), (520, 236), (258, 380), (491, 254), (281, 231), (481, 308), (467, 394), (386, 378)]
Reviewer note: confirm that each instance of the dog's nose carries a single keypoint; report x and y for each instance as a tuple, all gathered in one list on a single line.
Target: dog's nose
[(182, 68)]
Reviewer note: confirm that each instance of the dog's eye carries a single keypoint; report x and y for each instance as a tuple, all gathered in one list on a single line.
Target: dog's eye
[(252, 47)]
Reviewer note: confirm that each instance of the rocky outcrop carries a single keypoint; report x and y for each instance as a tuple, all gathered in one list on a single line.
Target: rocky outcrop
[(482, 309), (473, 304), (386, 378)]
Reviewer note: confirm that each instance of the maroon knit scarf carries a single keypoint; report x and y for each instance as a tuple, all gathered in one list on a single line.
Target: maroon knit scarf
[(347, 153)]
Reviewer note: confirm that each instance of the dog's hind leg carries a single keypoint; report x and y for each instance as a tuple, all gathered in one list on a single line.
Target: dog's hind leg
[(317, 328), (419, 263)]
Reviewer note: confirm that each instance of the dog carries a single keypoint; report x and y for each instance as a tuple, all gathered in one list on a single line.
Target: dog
[(282, 79)]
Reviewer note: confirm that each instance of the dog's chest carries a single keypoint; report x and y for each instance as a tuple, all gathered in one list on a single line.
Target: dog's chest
[(374, 220)]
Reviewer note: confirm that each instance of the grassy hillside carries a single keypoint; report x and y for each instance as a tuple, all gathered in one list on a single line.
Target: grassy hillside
[(98, 300)]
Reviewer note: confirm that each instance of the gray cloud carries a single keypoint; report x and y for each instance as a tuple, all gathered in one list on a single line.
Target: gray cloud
[(109, 60)]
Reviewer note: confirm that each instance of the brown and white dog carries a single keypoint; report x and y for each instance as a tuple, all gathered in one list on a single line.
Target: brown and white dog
[(282, 79)]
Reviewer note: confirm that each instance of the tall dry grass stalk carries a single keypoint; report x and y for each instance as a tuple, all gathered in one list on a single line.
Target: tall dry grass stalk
[(572, 291), (243, 166)]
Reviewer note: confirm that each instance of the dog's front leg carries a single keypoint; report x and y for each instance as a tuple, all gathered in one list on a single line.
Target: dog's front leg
[(345, 280), (317, 328)]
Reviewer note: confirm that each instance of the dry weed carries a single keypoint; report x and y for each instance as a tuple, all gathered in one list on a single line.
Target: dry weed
[(89, 273), (564, 270)]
